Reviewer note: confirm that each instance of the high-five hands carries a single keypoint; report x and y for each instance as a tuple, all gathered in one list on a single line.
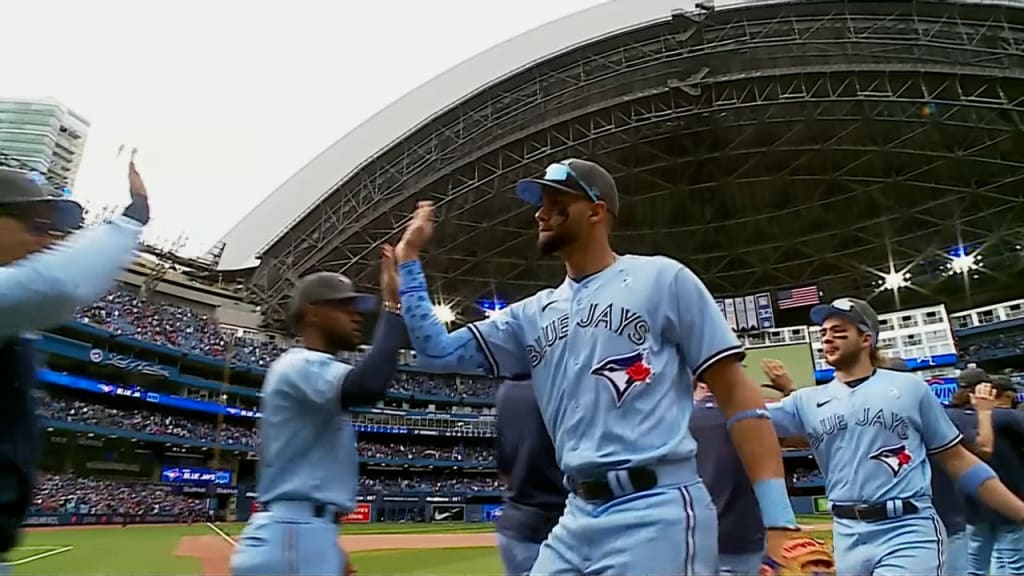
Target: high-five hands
[(778, 377), (417, 233)]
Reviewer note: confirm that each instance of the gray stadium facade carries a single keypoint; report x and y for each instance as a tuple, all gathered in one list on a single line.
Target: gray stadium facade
[(766, 144)]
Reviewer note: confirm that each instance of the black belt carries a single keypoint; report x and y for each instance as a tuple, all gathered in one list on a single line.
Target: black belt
[(600, 489), (319, 510), (870, 512)]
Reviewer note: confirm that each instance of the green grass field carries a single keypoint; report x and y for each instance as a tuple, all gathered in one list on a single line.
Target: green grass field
[(149, 551)]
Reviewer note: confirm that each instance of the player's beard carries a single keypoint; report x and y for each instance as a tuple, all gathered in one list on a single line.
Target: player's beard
[(846, 359), (560, 238)]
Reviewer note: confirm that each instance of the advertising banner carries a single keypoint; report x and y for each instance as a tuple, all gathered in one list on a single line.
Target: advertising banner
[(447, 513), (492, 512), (67, 519), (363, 514), (178, 475)]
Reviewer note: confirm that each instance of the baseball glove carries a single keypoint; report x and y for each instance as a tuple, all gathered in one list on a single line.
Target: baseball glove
[(801, 556)]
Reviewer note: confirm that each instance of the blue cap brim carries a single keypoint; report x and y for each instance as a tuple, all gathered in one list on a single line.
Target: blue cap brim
[(531, 190), (821, 312)]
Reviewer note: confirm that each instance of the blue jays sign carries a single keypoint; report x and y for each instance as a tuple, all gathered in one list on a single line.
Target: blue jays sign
[(174, 475)]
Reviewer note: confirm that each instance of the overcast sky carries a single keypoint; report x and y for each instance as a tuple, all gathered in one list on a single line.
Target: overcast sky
[(225, 99)]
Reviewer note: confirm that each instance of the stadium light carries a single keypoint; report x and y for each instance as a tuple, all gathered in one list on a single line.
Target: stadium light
[(444, 313), (895, 280), (962, 262)]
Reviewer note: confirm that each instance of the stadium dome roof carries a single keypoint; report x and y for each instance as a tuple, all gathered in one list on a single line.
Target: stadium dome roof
[(306, 188), (767, 145)]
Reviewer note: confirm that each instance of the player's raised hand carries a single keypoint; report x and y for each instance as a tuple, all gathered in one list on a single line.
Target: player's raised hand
[(417, 233), (388, 275), (138, 209), (984, 397), (136, 187), (778, 376)]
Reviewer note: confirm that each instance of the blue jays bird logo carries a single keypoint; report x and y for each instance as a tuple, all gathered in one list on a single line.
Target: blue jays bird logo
[(895, 458), (624, 372)]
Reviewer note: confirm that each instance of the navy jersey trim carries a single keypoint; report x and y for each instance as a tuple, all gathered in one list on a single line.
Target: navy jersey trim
[(940, 541), (488, 353), (721, 354), (690, 533), (943, 447)]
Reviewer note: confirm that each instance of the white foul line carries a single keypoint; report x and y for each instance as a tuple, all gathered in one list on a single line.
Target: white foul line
[(221, 533), (39, 556)]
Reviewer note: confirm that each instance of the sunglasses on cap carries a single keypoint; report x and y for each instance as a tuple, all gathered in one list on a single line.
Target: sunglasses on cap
[(559, 174)]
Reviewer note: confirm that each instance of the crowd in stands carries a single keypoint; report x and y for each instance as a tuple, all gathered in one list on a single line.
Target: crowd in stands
[(469, 454), (144, 421), (56, 494), (123, 312), (150, 422), (992, 346), (424, 484)]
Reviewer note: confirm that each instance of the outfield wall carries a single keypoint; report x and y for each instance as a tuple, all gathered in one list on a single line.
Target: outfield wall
[(69, 519)]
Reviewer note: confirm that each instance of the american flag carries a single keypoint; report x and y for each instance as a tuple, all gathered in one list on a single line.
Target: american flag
[(797, 297)]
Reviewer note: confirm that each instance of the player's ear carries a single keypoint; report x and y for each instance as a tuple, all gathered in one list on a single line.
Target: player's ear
[(598, 211)]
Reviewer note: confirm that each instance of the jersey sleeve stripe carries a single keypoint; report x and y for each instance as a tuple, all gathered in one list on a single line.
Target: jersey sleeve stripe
[(730, 351), (943, 447), (488, 353)]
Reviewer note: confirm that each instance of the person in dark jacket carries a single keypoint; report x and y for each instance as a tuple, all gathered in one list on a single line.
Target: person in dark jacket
[(44, 278), (740, 529), (536, 493)]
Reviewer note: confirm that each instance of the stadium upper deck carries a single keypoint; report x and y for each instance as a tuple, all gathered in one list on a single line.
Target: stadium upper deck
[(765, 144)]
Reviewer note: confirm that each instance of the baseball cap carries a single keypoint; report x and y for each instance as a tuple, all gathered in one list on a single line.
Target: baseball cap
[(45, 209), (325, 287), (971, 377), (574, 176), (857, 311)]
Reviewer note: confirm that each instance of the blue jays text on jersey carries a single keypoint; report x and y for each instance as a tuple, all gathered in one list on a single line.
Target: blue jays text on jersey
[(871, 441), (612, 356), (618, 320)]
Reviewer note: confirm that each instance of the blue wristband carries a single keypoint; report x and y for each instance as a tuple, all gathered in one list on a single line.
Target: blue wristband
[(773, 499), (753, 413), (971, 480)]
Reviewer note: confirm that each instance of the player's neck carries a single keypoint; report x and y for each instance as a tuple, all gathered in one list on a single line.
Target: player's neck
[(313, 341), (582, 261), (862, 369)]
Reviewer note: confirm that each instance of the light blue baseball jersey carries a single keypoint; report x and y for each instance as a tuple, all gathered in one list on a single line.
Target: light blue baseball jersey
[(612, 358), (308, 446), (871, 441)]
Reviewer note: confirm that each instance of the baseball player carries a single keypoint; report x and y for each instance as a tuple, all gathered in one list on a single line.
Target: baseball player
[(535, 495), (740, 532), (309, 467), (612, 351), (44, 278), (872, 431), (993, 540)]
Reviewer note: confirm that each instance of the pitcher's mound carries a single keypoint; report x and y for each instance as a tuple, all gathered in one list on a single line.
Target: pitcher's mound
[(213, 552)]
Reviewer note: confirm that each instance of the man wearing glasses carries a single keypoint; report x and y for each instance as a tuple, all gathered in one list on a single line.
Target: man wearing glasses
[(613, 352), (873, 432), (44, 278)]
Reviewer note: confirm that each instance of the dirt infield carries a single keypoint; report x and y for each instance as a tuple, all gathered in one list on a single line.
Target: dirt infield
[(214, 552)]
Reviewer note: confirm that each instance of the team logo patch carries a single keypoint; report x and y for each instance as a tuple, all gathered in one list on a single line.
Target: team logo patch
[(624, 373), (895, 458)]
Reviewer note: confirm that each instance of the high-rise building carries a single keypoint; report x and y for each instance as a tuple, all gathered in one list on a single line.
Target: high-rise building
[(42, 134)]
